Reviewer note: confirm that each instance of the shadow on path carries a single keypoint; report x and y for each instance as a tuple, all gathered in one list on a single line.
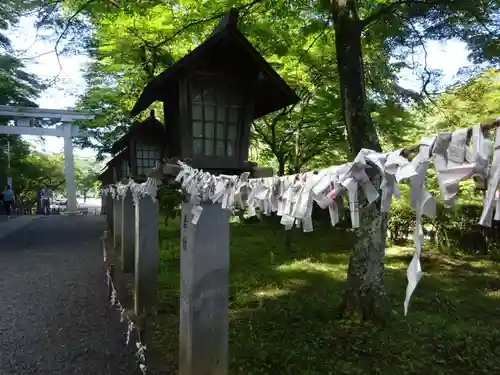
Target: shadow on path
[(54, 314)]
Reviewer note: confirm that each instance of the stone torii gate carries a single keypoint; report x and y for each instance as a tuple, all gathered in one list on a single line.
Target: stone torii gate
[(23, 117)]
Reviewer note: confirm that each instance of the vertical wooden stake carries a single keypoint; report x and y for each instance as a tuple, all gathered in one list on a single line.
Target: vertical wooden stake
[(117, 221), (128, 233), (204, 292), (146, 255)]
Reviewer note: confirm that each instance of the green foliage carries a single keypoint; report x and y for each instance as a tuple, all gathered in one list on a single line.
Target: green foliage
[(133, 41), (462, 105), (171, 199), (17, 87), (10, 13), (86, 179), (454, 230)]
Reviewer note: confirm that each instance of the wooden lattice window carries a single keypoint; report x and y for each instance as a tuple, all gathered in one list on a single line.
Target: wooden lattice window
[(124, 169), (146, 156), (215, 116)]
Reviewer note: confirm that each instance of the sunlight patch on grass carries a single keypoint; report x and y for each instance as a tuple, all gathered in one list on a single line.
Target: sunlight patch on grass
[(492, 293), (398, 265), (399, 250), (244, 301), (270, 292), (336, 271)]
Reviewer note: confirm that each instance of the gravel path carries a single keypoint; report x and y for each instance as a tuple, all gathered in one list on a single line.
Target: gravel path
[(54, 314)]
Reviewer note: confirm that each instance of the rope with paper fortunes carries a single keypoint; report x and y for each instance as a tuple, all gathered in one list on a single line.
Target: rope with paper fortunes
[(292, 197), (457, 156), (138, 190), (131, 327)]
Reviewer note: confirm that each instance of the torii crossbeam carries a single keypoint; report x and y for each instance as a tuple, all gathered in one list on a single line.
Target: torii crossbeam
[(22, 117)]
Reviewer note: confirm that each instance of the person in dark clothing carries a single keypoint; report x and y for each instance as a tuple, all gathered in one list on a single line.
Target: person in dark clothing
[(8, 199)]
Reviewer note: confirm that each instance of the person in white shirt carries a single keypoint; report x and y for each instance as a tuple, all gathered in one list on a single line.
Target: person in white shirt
[(46, 196)]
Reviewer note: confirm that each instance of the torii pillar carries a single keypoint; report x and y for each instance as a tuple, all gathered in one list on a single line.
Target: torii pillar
[(69, 168)]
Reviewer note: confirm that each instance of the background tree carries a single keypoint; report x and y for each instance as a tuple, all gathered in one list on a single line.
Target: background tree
[(464, 103), (30, 170), (87, 171)]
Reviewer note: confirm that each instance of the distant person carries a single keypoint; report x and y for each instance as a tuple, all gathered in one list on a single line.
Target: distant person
[(46, 196), (8, 199)]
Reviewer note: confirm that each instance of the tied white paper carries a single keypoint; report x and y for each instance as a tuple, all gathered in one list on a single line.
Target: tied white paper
[(480, 154), (148, 188), (497, 206), (440, 156), (457, 147), (452, 168), (424, 204), (388, 185), (493, 184)]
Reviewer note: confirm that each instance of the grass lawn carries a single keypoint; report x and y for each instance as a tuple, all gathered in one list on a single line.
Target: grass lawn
[(283, 310)]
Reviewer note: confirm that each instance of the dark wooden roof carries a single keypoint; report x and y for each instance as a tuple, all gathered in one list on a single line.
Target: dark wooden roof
[(226, 40), (118, 158), (106, 175), (149, 126)]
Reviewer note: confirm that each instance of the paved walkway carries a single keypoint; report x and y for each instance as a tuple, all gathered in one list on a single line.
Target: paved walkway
[(7, 226), (54, 314)]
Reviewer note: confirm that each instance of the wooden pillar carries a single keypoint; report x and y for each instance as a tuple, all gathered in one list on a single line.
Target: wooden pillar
[(117, 221), (128, 233), (204, 292), (146, 255)]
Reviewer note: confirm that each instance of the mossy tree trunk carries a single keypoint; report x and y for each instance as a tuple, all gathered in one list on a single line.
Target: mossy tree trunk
[(365, 294)]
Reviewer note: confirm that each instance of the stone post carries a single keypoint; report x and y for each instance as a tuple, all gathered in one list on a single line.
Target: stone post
[(128, 233), (146, 255), (109, 212), (117, 221), (204, 292)]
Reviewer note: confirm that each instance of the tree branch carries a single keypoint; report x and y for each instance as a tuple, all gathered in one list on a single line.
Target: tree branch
[(380, 12), (384, 10), (261, 133), (69, 22), (203, 20)]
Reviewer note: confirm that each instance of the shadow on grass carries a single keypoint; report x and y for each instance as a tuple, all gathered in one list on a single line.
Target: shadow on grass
[(283, 311)]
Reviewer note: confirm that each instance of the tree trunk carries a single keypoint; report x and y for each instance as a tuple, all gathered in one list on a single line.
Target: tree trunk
[(281, 166), (361, 132), (365, 294)]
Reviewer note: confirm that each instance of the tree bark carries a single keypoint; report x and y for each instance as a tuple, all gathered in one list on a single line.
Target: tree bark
[(365, 295), (281, 165), (361, 131)]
